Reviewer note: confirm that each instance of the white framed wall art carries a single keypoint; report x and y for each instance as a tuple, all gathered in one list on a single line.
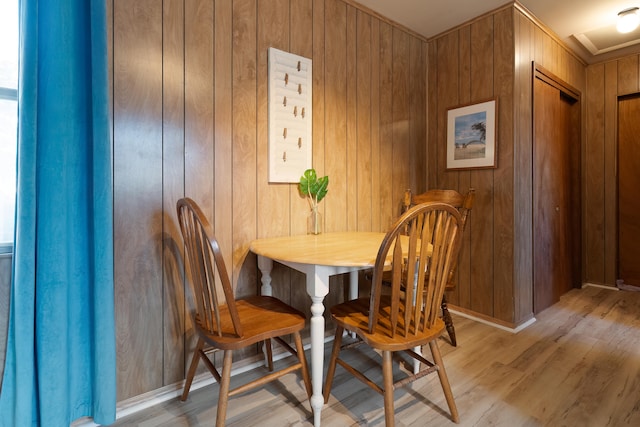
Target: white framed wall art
[(290, 118)]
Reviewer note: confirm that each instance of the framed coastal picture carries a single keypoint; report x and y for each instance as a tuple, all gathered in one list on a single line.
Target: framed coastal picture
[(471, 136)]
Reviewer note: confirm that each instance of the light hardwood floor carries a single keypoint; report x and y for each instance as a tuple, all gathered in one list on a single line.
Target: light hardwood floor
[(577, 365)]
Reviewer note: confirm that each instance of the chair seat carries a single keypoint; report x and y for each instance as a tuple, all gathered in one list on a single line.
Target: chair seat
[(262, 317), (354, 316)]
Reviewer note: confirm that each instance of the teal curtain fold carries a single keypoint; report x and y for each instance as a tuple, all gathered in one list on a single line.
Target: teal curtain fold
[(60, 362)]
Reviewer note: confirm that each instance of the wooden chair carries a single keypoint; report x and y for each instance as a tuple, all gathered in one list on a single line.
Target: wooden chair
[(402, 318), (464, 203), (229, 324)]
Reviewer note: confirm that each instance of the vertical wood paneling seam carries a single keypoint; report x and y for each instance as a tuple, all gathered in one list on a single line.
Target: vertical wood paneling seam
[(393, 103), (184, 189), (255, 112), (356, 116), (493, 183), (371, 102), (613, 185), (214, 184), (324, 86), (370, 114), (606, 125)]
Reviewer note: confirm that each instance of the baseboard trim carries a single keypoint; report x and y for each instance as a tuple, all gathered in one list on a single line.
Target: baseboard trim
[(596, 285), (514, 329)]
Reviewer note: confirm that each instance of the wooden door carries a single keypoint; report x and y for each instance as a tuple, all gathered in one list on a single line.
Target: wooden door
[(556, 208), (629, 190)]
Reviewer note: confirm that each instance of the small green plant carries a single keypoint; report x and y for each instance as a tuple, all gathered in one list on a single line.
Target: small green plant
[(313, 188)]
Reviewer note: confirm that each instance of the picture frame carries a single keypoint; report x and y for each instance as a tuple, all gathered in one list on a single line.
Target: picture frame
[(290, 116), (471, 136)]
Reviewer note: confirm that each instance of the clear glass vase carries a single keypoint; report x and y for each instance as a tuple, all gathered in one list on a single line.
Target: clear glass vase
[(314, 221)]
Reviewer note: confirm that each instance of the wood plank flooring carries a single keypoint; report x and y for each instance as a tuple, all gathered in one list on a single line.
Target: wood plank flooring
[(577, 365)]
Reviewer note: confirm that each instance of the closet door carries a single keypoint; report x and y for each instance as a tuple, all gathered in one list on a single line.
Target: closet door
[(556, 208), (629, 190)]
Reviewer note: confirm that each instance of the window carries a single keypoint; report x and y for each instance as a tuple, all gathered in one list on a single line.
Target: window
[(8, 119)]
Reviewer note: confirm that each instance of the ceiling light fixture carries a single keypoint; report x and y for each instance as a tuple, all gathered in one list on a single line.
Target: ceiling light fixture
[(628, 20)]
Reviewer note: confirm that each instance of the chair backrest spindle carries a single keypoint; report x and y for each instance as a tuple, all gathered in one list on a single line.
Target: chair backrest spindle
[(206, 262), (422, 247)]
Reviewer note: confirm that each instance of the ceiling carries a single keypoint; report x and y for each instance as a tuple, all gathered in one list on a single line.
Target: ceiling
[(586, 26)]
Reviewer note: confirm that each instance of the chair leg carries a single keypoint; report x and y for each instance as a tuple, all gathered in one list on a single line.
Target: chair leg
[(337, 342), (192, 369), (448, 321), (303, 361), (223, 396), (387, 376), (444, 380), (269, 354)]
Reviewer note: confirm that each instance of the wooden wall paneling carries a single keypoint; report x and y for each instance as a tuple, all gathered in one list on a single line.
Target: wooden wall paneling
[(137, 103), (273, 200), (610, 183), (222, 128), (302, 39), (244, 133), (198, 156), (432, 114), (350, 208), (301, 43), (336, 128), (447, 97), (244, 106), (414, 147), (579, 74), (198, 108), (319, 92), (503, 259), (593, 203), (388, 211), (188, 83), (244, 157), (464, 67), (335, 115), (538, 53), (376, 160), (556, 57), (417, 118), (549, 55), (401, 157), (464, 90), (604, 82), (482, 220), (522, 158), (628, 75), (364, 66), (584, 173), (562, 61), (461, 295), (173, 189)]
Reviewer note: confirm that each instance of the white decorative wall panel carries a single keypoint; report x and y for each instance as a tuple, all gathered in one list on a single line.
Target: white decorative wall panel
[(290, 125)]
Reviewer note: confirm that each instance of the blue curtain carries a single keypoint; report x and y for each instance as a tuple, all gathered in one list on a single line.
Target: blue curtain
[(60, 362)]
